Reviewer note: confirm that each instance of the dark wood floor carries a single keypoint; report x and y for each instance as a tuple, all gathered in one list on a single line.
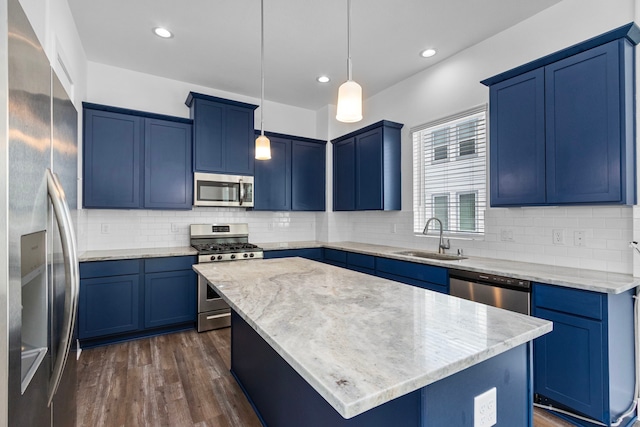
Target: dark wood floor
[(175, 380)]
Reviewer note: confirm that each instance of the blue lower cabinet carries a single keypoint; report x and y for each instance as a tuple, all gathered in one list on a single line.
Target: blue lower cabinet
[(586, 364), (169, 298), (125, 299), (415, 274), (335, 257), (308, 253), (108, 305), (362, 263)]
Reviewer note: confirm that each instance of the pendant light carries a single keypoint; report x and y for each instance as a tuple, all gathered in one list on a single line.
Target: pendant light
[(263, 145), (350, 93)]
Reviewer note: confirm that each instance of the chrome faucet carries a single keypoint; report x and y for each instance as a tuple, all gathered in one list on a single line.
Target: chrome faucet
[(441, 245)]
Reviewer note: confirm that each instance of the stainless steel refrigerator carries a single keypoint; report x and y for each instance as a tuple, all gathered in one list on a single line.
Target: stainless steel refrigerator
[(37, 241)]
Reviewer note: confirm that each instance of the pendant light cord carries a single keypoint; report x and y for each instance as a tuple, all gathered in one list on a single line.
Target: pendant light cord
[(262, 67), (349, 40)]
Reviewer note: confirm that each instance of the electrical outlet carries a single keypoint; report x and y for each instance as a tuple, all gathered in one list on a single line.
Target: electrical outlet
[(393, 228), (506, 235), (175, 228), (578, 238), (485, 409), (558, 237), (105, 229)]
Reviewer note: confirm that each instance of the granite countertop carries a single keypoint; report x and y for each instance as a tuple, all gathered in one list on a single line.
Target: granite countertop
[(115, 254), (591, 280), (361, 340)]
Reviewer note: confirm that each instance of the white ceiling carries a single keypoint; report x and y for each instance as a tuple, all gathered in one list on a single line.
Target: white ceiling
[(217, 42)]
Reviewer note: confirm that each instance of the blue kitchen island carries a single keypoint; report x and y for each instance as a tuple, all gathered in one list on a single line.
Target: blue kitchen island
[(318, 345)]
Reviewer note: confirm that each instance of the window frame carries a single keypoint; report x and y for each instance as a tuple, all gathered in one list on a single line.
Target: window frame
[(457, 178)]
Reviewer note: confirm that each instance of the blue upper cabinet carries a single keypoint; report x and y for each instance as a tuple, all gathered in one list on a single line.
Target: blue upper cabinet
[(308, 175), (517, 156), (223, 134), (272, 178), (168, 175), (134, 159), (112, 159), (562, 128), (344, 173), (366, 173), (294, 177)]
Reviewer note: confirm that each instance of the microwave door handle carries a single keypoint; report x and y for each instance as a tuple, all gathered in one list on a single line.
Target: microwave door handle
[(242, 192)]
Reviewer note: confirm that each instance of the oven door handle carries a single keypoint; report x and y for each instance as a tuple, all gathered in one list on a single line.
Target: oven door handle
[(218, 316)]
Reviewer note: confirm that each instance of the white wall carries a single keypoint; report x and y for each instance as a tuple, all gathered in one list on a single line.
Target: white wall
[(453, 86), (130, 89)]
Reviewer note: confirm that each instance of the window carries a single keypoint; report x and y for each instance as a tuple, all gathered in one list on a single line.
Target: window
[(449, 172), (440, 144), (441, 210), (467, 212)]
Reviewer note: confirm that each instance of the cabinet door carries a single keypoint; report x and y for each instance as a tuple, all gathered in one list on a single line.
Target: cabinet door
[(369, 174), (239, 145), (517, 154), (112, 160), (344, 175), (170, 298), (273, 178), (208, 123), (308, 169), (168, 178), (568, 363), (108, 305), (583, 127)]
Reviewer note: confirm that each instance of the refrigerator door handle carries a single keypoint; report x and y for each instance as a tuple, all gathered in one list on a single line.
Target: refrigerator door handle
[(68, 240)]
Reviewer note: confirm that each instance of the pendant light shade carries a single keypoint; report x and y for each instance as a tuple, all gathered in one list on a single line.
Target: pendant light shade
[(349, 102), (263, 148), (263, 145), (350, 93)]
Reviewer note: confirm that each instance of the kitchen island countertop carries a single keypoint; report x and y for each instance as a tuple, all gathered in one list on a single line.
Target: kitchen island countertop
[(361, 341)]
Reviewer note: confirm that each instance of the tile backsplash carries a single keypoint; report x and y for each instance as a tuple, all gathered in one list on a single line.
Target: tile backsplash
[(131, 229), (595, 238)]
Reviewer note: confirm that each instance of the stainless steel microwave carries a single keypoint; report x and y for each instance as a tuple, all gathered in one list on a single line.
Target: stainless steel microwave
[(211, 189)]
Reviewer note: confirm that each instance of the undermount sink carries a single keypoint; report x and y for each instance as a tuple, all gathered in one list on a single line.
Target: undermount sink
[(431, 255)]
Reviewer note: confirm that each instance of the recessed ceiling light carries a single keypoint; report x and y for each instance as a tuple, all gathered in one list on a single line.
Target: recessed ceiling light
[(428, 53), (162, 32), (323, 79)]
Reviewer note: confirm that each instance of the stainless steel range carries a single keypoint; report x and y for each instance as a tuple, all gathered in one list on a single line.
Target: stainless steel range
[(219, 243)]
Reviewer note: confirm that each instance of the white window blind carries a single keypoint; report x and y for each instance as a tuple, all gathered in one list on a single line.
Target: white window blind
[(449, 172)]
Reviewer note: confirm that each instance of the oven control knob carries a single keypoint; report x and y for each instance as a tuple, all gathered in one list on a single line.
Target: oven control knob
[(233, 257), (250, 255), (213, 258), (219, 256), (245, 255)]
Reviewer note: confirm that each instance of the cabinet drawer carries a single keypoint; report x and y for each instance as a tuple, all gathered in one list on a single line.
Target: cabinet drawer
[(571, 301), (308, 253), (360, 260), (109, 268), (334, 255), (153, 265), (423, 272)]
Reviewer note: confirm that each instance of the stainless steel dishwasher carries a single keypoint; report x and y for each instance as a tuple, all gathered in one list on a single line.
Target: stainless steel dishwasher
[(498, 291)]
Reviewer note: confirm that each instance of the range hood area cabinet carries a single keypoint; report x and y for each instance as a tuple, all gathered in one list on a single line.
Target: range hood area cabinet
[(563, 128), (223, 134), (294, 178), (366, 168), (136, 160)]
